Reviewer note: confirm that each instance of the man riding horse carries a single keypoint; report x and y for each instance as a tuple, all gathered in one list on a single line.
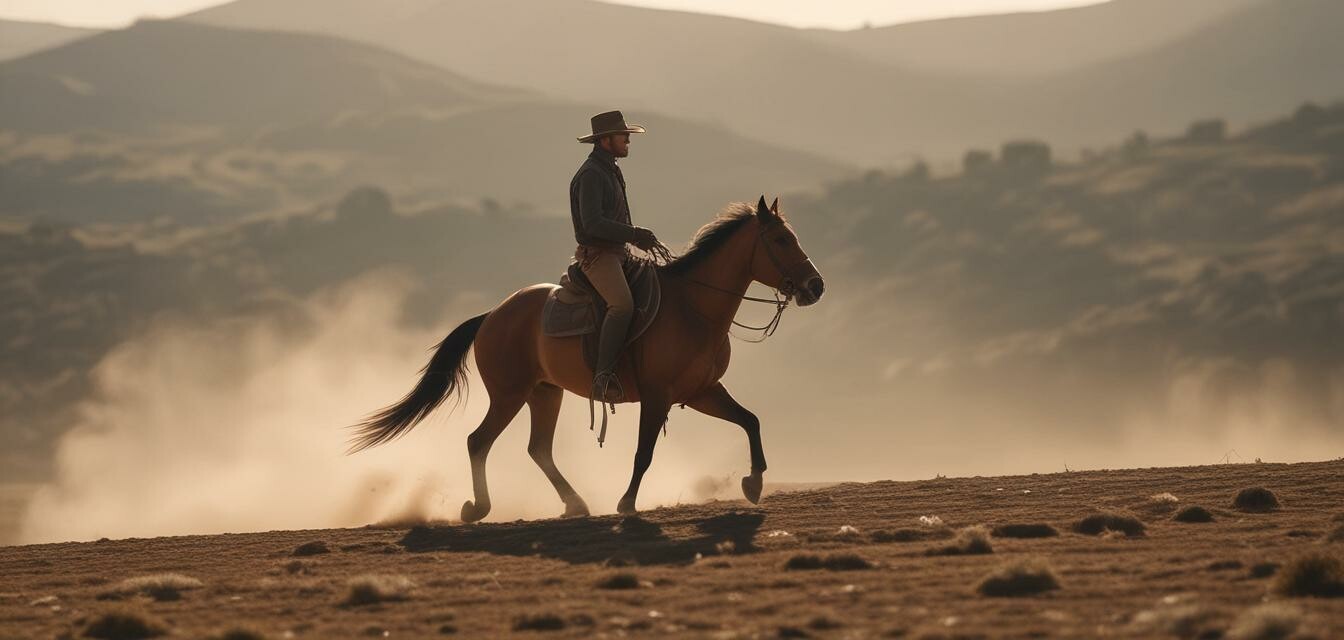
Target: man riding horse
[(602, 228)]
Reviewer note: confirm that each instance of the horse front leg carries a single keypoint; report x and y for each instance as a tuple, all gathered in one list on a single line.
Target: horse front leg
[(652, 415), (717, 402)]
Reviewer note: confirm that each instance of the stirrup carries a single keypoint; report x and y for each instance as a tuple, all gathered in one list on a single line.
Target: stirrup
[(607, 387)]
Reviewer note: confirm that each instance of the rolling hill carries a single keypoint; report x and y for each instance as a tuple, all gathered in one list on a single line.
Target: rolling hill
[(788, 87), (19, 38), (278, 119), (1033, 43)]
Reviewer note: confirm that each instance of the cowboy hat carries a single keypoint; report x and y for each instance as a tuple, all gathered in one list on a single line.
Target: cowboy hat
[(610, 122)]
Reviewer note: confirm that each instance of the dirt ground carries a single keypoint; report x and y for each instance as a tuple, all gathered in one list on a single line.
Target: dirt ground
[(725, 569)]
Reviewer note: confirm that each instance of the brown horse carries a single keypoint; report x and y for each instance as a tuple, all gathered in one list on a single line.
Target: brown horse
[(678, 360)]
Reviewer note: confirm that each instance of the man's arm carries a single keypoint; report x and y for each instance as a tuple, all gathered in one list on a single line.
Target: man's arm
[(595, 223)]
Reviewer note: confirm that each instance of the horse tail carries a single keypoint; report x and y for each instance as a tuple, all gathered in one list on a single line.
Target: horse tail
[(445, 375)]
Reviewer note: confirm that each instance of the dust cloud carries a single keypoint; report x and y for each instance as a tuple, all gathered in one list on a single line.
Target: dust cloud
[(236, 426)]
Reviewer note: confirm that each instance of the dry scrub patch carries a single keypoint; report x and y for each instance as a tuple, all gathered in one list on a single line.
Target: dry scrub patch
[(240, 634), (1110, 521), (1316, 573), (538, 622), (1033, 530), (316, 547), (1256, 500), (619, 581), (373, 589), (969, 541), (163, 587), (1335, 536), (832, 562), (1193, 514), (124, 624), (1019, 578), (912, 535)]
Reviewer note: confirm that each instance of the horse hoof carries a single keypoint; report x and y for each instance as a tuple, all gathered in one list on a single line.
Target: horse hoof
[(626, 508), (751, 488), (470, 513), (579, 510)]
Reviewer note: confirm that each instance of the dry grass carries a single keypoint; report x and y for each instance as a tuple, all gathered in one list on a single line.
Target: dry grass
[(373, 589), (1019, 578), (1275, 621), (1034, 530), (832, 562), (1256, 500), (1110, 521), (969, 541), (1193, 514), (163, 587), (124, 624), (1317, 573), (619, 581)]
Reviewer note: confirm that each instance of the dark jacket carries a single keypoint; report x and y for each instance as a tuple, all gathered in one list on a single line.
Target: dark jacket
[(597, 203)]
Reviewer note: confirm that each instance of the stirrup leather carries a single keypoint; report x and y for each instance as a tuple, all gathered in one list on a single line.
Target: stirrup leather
[(603, 383)]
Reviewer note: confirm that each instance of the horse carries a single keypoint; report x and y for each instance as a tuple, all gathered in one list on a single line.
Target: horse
[(679, 359)]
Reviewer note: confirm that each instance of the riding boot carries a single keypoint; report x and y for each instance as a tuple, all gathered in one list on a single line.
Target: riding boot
[(606, 385)]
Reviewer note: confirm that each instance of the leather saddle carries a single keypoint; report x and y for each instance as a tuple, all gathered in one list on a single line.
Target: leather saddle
[(576, 309)]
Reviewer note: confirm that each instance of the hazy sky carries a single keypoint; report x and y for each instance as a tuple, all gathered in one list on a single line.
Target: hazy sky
[(839, 14)]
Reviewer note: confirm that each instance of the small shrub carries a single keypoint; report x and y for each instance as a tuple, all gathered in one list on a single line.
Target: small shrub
[(1020, 578), (372, 589), (792, 632), (1102, 522), (833, 562), (1274, 621), (619, 581), (1036, 530), (163, 587), (124, 625), (1165, 497), (911, 535), (969, 541), (1193, 514), (846, 562), (822, 623), (1314, 573), (316, 547), (1256, 500), (1263, 569), (538, 622)]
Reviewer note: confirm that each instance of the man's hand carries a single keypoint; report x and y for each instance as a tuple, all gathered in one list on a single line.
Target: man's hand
[(644, 239)]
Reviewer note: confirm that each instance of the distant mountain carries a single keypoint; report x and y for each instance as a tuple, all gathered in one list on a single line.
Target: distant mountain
[(1033, 43), (281, 119), (789, 87), (19, 38)]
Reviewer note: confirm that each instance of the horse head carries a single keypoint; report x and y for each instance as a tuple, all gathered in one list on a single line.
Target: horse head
[(779, 260)]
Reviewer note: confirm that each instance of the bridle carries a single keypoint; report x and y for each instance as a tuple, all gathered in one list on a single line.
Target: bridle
[(782, 296)]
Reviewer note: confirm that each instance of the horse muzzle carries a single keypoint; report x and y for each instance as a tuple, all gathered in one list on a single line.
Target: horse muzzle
[(811, 291)]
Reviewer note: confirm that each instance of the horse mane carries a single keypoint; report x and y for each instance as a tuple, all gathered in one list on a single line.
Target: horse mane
[(711, 236)]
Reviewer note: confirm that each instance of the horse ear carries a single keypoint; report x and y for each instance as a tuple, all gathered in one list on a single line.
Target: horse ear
[(763, 212), (774, 207)]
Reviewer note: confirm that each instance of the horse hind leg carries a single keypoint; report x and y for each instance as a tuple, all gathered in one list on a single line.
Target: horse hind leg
[(544, 405), (503, 407)]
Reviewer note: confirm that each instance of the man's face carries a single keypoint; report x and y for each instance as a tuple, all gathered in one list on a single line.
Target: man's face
[(617, 145)]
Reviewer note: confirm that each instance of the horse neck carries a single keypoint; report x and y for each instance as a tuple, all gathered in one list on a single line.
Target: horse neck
[(728, 272)]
